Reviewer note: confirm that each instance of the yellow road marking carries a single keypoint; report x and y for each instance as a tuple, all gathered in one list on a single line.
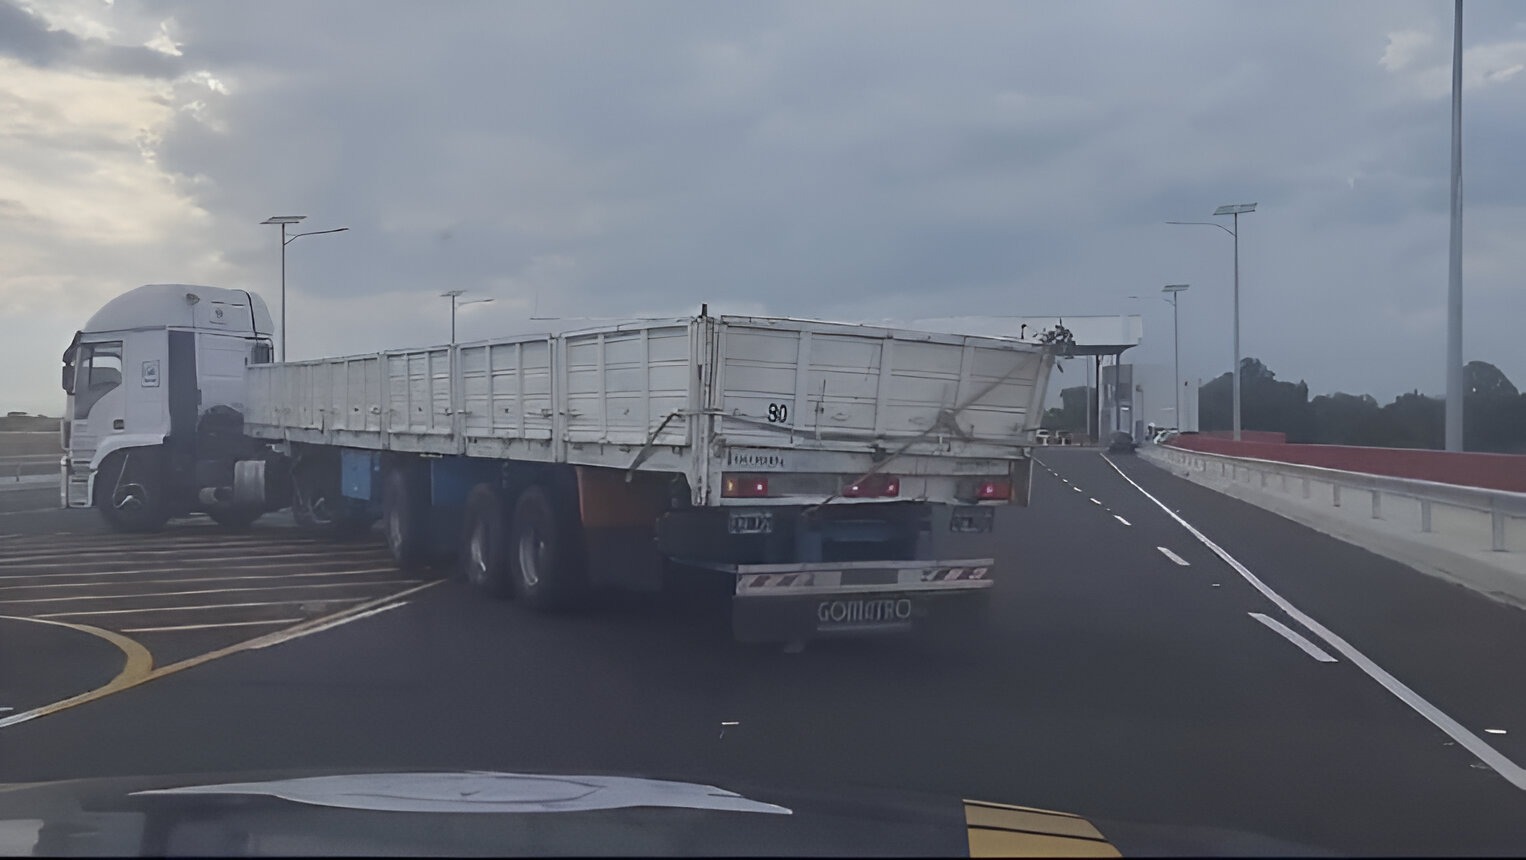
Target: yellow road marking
[(138, 673), (135, 670)]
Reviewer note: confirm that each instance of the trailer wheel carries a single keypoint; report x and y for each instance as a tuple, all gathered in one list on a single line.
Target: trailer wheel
[(129, 491), (404, 514), (484, 555), (547, 570)]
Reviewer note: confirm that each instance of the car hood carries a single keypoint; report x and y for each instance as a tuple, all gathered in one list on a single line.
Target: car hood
[(454, 813)]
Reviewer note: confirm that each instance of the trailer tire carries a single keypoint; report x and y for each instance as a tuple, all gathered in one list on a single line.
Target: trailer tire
[(548, 573), (405, 511), (129, 491), (485, 546)]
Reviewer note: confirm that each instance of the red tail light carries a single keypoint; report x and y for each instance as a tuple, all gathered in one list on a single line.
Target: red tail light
[(994, 489), (874, 487), (735, 486)]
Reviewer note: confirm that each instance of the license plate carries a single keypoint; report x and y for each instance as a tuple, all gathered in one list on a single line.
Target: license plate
[(971, 520), (871, 610), (750, 523)]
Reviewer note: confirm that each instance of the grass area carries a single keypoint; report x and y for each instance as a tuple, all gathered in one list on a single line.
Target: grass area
[(26, 443), (27, 424)]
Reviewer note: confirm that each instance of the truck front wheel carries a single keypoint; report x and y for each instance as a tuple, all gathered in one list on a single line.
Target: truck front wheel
[(547, 570), (129, 491), (485, 542)]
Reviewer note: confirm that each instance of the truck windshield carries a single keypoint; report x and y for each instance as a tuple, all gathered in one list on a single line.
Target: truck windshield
[(100, 371)]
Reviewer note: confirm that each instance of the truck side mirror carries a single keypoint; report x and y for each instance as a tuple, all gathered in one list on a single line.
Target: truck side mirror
[(68, 381)]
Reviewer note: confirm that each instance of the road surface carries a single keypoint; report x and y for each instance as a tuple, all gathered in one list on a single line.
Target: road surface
[(1130, 673)]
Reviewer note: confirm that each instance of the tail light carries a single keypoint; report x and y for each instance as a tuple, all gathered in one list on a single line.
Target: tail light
[(994, 490), (735, 486), (874, 487)]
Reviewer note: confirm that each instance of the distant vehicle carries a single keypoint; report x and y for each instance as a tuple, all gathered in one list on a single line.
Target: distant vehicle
[(1121, 443), (751, 449)]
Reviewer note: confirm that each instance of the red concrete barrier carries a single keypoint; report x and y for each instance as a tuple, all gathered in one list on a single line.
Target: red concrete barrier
[(1272, 436), (1490, 471)]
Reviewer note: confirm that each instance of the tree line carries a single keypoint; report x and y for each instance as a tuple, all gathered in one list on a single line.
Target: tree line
[(1494, 412)]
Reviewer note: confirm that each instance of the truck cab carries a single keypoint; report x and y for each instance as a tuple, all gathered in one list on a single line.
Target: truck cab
[(154, 376)]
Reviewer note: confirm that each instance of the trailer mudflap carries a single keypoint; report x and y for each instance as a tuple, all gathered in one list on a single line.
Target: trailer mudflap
[(793, 602)]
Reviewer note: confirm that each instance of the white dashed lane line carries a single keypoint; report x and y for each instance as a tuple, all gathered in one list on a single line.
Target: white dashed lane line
[(1487, 755), (1173, 556), (1122, 520)]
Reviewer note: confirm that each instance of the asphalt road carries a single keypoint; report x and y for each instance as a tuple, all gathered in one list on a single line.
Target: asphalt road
[(1115, 681)]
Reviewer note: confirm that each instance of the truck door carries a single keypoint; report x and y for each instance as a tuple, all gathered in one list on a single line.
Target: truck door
[(144, 391), (98, 398)]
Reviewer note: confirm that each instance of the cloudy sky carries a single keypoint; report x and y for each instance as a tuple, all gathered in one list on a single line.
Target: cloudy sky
[(832, 159)]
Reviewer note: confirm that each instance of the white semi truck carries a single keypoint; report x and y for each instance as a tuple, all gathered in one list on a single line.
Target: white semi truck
[(832, 473)]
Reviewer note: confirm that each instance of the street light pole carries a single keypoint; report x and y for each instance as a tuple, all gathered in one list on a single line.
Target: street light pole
[(1174, 291), (1455, 380), (1144, 414), (453, 295), (1235, 210), (284, 220)]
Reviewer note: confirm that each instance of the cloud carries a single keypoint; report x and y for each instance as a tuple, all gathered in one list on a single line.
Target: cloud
[(847, 160), (27, 37), (1422, 61), (1407, 48)]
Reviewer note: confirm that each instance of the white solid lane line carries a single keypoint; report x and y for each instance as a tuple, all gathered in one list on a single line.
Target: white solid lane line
[(211, 626), (269, 576), (130, 571), (1289, 634), (1122, 520), (322, 600), (1173, 556), (1512, 772), (329, 625), (200, 591)]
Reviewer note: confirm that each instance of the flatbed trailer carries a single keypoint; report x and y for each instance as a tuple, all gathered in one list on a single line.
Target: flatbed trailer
[(832, 474)]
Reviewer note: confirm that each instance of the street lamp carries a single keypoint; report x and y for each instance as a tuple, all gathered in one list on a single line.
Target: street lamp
[(284, 220), (1174, 291), (453, 295), (1455, 381), (1235, 210)]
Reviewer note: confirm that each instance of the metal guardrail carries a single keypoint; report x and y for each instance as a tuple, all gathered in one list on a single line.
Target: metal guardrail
[(1500, 505)]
